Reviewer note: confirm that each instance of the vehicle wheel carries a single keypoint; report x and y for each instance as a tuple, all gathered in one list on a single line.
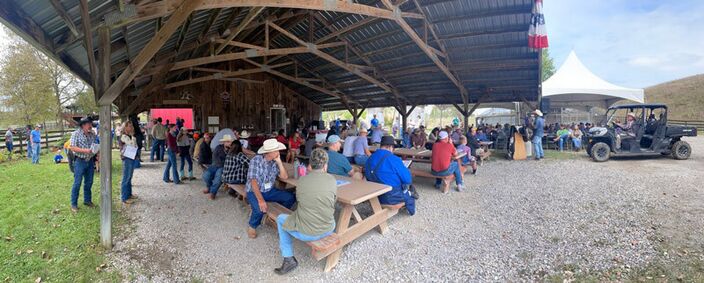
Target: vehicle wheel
[(681, 150), (600, 152)]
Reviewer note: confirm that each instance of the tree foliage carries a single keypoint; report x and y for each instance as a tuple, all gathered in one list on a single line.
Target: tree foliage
[(27, 95), (85, 103), (547, 65)]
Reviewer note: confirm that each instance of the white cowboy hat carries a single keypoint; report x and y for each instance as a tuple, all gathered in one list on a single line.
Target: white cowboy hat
[(631, 114), (227, 138), (244, 134), (271, 145), (538, 112)]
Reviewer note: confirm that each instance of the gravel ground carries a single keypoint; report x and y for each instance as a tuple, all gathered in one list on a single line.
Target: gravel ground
[(519, 221)]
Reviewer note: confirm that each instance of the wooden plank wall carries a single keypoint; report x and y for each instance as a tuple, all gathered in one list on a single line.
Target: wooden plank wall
[(247, 105)]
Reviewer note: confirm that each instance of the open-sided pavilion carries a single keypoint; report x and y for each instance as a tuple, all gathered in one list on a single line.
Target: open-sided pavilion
[(235, 59)]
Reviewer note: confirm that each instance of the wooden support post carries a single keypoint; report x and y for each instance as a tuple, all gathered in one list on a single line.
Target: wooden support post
[(105, 176), (105, 155), (466, 117)]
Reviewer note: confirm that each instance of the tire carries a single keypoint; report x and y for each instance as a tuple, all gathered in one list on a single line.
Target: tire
[(681, 150), (600, 152)]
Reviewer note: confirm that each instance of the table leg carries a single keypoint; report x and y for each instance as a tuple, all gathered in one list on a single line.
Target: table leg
[(343, 223), (376, 207)]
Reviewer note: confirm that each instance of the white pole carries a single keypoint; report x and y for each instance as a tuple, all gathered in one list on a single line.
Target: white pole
[(105, 176)]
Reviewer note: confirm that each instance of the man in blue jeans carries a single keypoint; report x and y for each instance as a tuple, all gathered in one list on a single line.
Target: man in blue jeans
[(171, 151), (84, 164), (36, 137), (538, 133), (213, 176), (313, 218), (445, 161), (261, 177), (159, 133)]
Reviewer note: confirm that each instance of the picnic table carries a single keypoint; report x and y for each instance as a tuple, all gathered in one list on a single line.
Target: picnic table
[(353, 193), (417, 155)]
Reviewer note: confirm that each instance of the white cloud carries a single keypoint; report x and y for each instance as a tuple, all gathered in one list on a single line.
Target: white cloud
[(632, 43)]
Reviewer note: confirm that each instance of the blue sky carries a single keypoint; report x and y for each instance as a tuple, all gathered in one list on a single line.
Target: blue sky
[(633, 43)]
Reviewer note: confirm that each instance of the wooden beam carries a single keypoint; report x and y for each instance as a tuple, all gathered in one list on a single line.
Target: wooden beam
[(88, 42), (215, 76), (165, 7), (182, 33), (65, 17), (240, 44), (104, 70), (150, 49), (103, 81), (253, 12), (268, 69), (347, 29), (155, 84), (427, 50)]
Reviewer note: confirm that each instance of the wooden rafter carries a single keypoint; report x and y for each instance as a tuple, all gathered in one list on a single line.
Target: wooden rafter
[(346, 98), (88, 42), (65, 17), (253, 13), (182, 33), (427, 50), (347, 29), (165, 7), (149, 50), (216, 76), (156, 83)]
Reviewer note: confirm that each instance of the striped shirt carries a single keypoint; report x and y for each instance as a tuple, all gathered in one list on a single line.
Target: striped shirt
[(81, 139)]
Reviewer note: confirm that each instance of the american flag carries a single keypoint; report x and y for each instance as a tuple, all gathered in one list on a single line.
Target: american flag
[(537, 34)]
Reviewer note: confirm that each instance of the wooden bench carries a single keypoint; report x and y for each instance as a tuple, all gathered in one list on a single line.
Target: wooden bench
[(445, 179), (241, 191), (320, 248)]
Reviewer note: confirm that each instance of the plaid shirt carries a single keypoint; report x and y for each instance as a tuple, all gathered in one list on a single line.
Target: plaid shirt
[(82, 140), (235, 170), (263, 171)]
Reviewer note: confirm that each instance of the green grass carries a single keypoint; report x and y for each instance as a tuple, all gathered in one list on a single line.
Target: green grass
[(565, 155), (39, 236)]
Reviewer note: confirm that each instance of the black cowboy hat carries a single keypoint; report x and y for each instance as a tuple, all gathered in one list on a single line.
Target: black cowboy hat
[(85, 120), (388, 140)]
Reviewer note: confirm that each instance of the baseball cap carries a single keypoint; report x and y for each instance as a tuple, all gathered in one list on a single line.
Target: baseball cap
[(443, 135), (334, 139)]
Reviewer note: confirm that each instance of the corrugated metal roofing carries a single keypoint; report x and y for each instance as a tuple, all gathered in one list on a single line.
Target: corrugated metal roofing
[(486, 42)]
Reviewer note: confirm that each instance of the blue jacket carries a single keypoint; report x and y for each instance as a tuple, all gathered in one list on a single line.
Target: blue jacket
[(393, 173)]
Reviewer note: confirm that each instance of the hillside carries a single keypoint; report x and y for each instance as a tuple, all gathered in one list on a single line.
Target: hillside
[(684, 97)]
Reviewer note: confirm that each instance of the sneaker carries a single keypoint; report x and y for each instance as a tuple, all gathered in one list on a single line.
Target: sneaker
[(134, 197), (191, 178), (251, 233), (74, 209), (89, 204), (437, 186), (460, 188), (167, 181)]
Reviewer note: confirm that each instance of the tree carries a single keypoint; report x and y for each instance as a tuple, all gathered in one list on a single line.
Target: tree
[(66, 87), (547, 65), (85, 103), (26, 87)]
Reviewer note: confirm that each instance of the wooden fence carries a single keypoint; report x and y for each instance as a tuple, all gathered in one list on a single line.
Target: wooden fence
[(20, 143), (690, 123)]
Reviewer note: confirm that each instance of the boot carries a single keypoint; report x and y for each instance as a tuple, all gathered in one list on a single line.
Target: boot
[(290, 263)]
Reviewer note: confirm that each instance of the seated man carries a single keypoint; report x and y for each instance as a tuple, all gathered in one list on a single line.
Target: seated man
[(213, 176), (313, 218), (236, 166), (338, 164), (562, 134), (361, 148), (444, 161), (625, 130), (261, 177), (386, 168), (468, 159)]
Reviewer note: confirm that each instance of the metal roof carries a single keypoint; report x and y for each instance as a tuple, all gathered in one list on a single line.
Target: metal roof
[(485, 43)]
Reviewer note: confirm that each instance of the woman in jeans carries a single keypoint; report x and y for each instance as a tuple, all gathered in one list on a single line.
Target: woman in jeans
[(127, 139), (184, 150)]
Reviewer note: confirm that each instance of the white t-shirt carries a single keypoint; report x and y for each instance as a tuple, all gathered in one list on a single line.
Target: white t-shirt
[(348, 147)]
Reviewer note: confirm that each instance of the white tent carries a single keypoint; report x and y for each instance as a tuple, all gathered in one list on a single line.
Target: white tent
[(574, 86)]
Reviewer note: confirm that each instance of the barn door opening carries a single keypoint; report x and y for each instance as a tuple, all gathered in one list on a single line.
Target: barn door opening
[(277, 120)]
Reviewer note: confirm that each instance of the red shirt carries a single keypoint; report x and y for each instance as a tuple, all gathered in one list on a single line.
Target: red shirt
[(294, 143), (281, 139), (443, 153)]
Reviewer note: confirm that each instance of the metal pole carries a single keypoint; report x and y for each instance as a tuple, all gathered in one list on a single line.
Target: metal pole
[(105, 177)]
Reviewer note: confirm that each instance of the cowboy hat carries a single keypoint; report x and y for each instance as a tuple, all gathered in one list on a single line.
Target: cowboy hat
[(631, 114), (244, 134), (538, 112), (227, 138), (271, 145)]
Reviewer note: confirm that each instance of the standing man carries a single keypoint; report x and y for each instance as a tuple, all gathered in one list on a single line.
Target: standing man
[(538, 133), (377, 133), (172, 151), (84, 164), (36, 137), (159, 134), (261, 177), (375, 122), (8, 142), (28, 140)]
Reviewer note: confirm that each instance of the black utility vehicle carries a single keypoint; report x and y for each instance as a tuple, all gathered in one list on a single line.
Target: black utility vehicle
[(653, 135)]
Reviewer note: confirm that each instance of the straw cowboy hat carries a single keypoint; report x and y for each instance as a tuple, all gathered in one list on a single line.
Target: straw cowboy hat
[(227, 138), (244, 134), (271, 145), (538, 112), (632, 115)]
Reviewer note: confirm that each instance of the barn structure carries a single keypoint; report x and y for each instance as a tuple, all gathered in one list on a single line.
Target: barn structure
[(236, 59)]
